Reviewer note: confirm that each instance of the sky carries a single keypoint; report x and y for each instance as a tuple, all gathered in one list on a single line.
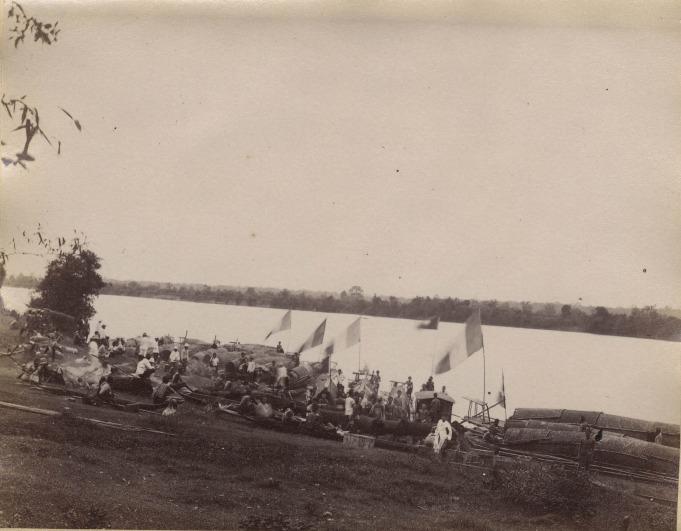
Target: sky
[(511, 151)]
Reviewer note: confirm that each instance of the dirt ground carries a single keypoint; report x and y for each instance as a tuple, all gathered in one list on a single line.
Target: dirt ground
[(215, 473)]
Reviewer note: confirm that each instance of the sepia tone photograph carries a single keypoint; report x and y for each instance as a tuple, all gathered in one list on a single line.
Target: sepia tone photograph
[(303, 265)]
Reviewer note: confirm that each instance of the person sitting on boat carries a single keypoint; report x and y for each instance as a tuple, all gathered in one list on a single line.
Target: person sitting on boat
[(280, 349), (313, 418), (289, 414), (494, 433), (105, 392), (174, 358), (429, 385), (296, 359), (78, 339), (313, 404), (583, 425), (247, 405), (144, 367), (176, 381), (586, 451), (161, 391), (435, 408), (443, 434), (171, 408), (423, 414)]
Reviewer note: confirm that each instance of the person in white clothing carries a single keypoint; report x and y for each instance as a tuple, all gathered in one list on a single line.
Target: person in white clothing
[(443, 434), (349, 407), (145, 367), (250, 368), (282, 376), (174, 358)]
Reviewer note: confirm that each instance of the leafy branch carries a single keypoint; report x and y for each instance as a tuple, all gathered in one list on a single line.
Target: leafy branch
[(43, 245), (28, 117), (24, 25)]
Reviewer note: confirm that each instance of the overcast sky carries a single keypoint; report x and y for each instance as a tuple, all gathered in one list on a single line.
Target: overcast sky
[(516, 154)]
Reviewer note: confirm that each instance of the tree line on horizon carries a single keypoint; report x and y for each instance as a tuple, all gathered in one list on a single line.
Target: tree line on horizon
[(644, 322)]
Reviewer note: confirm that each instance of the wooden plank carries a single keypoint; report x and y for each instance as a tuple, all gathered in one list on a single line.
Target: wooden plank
[(31, 409)]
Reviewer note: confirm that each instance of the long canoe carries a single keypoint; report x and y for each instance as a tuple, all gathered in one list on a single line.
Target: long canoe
[(630, 427)]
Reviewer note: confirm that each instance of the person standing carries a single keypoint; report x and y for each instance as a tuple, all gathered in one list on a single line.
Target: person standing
[(586, 451), (658, 436), (349, 407), (443, 434), (398, 406), (250, 369), (282, 376), (378, 410), (214, 362), (410, 387), (434, 408)]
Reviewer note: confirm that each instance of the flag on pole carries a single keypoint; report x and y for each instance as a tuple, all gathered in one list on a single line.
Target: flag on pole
[(345, 340), (315, 339), (284, 324), (430, 324), (465, 345)]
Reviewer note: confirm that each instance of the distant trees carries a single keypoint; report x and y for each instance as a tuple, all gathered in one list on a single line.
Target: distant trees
[(640, 322)]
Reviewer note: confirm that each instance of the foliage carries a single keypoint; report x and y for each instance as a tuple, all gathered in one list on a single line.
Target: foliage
[(26, 116), (547, 487), (70, 285)]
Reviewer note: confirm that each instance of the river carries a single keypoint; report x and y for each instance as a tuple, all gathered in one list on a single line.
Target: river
[(623, 376)]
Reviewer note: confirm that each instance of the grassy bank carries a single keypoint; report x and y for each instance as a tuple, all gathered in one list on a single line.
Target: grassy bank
[(227, 474)]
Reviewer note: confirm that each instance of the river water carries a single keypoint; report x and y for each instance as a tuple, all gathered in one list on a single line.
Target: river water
[(624, 376)]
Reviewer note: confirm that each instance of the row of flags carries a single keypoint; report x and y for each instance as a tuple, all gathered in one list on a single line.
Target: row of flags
[(350, 337), (465, 345)]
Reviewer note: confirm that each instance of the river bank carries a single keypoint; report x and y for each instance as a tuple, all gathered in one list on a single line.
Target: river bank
[(216, 474)]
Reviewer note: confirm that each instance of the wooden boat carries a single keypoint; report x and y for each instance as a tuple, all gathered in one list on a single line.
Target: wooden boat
[(622, 452), (630, 427), (87, 395)]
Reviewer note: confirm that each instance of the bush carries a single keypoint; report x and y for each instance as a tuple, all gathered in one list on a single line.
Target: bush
[(547, 486)]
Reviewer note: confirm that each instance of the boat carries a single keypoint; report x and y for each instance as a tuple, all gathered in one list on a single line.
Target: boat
[(630, 427)]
